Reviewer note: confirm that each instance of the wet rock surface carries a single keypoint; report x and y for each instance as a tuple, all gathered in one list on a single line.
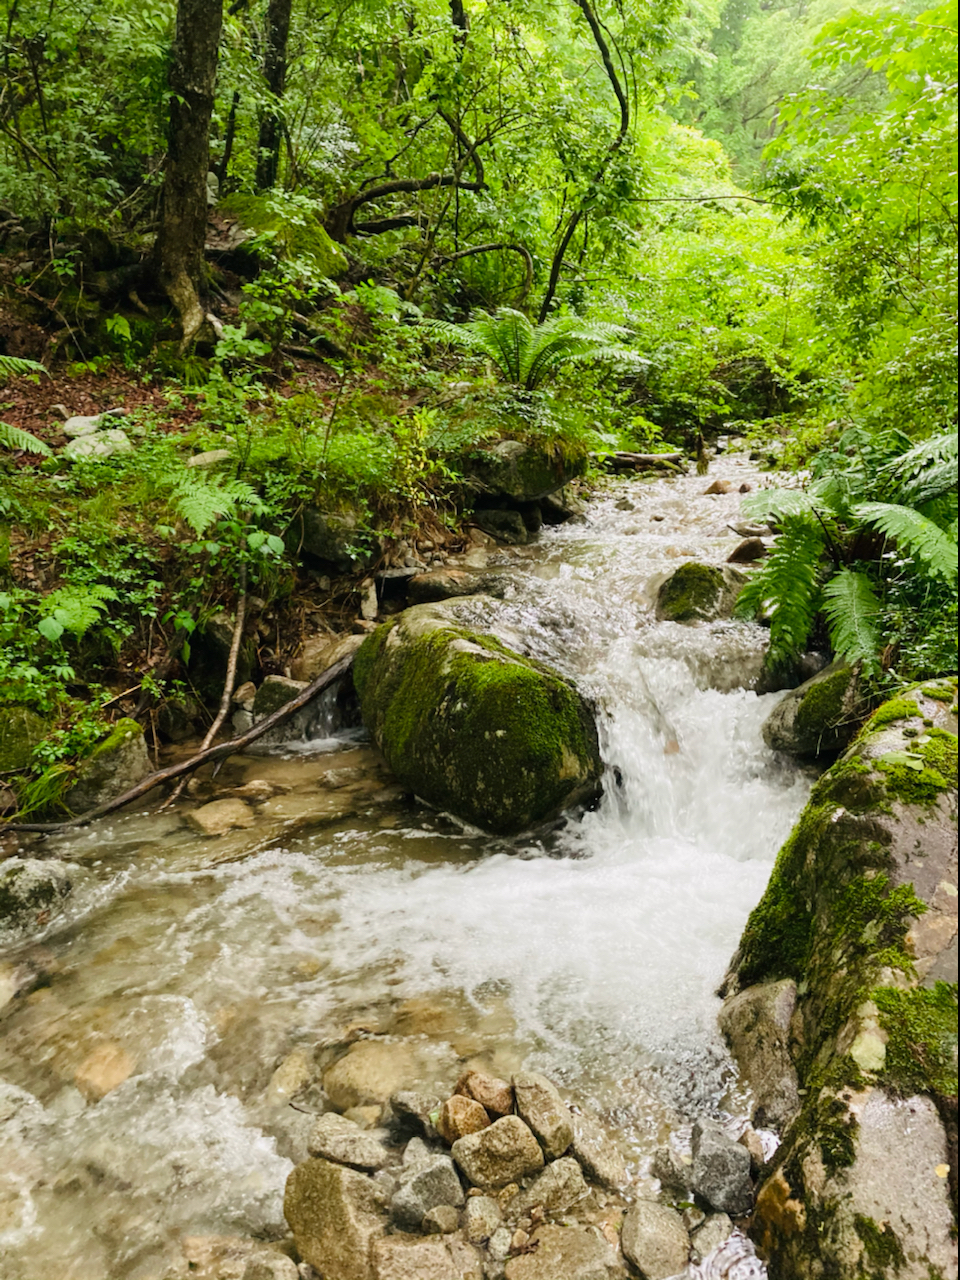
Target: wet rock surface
[(655, 1240), (31, 892), (861, 913), (817, 718), (698, 593)]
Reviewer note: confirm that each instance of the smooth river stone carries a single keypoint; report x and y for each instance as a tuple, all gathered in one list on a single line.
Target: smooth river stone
[(540, 1105)]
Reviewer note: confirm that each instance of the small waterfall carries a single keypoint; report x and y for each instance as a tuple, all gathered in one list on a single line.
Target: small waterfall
[(592, 951)]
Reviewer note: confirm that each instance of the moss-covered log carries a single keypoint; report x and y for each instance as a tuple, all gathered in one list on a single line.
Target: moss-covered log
[(473, 728), (861, 914)]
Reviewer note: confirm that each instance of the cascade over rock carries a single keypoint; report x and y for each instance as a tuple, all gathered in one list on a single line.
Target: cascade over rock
[(471, 726), (861, 913)]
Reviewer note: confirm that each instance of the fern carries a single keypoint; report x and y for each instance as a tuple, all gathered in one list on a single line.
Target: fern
[(787, 587), (73, 608), (779, 503), (15, 366), (526, 355), (17, 438), (852, 611), (941, 448), (202, 500), (914, 533)]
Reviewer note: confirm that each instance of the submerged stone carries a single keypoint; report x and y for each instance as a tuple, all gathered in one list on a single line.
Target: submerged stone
[(31, 891), (473, 728), (698, 593)]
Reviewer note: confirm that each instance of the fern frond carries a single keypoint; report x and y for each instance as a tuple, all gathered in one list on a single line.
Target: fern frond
[(913, 533), (787, 587), (77, 608), (940, 448), (779, 503), (852, 611), (935, 482), (200, 500), (17, 438), (14, 366)]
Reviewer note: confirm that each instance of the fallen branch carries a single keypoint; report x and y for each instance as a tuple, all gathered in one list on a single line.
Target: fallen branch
[(225, 749), (625, 461)]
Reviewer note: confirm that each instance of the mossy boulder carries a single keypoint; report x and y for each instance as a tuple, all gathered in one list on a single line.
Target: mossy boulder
[(21, 729), (331, 537), (117, 762), (520, 472), (861, 914), (472, 727), (699, 593), (298, 235), (817, 718)]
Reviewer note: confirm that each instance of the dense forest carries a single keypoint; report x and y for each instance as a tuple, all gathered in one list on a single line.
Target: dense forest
[(313, 258)]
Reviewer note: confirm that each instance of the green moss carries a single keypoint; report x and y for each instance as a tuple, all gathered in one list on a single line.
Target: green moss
[(921, 1024), (873, 919), (937, 757), (474, 728), (300, 236), (690, 594), (943, 691), (824, 705), (118, 735), (21, 729), (880, 1243), (895, 709)]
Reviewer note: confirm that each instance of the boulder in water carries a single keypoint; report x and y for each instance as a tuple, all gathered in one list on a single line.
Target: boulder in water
[(471, 726), (540, 1105), (335, 1215), (861, 913), (115, 764), (655, 1240), (31, 891), (699, 593), (817, 718)]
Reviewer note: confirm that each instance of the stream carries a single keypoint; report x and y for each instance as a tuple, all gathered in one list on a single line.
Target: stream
[(185, 968)]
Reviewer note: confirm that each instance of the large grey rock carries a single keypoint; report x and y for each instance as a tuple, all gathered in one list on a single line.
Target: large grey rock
[(424, 1185), (402, 1257), (473, 728), (519, 471), (555, 1190), (220, 816), (335, 1215), (332, 537), (320, 653), (32, 892), (655, 1240), (115, 764), (539, 1103), (99, 444), (598, 1154), (817, 718), (503, 1153), (699, 593), (448, 584), (756, 1023), (566, 1253), (341, 1140), (721, 1170), (861, 912)]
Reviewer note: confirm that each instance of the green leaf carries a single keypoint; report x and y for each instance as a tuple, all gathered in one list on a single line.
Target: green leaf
[(50, 629), (913, 533), (852, 610), (17, 438), (787, 588)]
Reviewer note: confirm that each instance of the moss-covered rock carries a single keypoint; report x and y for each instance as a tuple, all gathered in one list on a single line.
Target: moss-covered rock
[(117, 763), (21, 729), (521, 472), (817, 718), (473, 728), (299, 236), (699, 593), (861, 913)]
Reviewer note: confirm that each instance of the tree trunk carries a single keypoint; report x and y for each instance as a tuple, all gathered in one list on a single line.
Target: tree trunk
[(275, 75), (178, 253)]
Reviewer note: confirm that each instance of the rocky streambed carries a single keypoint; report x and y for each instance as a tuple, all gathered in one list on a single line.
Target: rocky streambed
[(303, 988)]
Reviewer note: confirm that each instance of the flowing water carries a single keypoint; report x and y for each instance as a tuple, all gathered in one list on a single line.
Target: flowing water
[(138, 1105)]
